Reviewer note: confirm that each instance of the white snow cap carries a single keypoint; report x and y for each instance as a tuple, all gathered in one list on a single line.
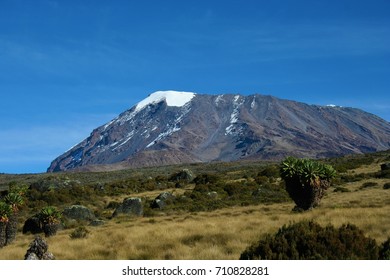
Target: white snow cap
[(173, 98)]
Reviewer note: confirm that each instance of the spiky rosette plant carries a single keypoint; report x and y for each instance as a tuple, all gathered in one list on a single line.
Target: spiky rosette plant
[(50, 219), (306, 180), (14, 200), (5, 211)]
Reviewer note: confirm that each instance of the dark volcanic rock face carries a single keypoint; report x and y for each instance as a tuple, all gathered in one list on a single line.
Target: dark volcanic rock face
[(176, 127)]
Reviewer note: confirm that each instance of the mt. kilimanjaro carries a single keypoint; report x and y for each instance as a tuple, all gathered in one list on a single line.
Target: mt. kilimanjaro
[(170, 127)]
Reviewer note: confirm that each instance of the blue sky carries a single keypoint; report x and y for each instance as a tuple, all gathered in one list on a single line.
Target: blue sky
[(69, 66)]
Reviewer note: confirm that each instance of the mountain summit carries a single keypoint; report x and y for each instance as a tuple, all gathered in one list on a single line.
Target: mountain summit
[(170, 127)]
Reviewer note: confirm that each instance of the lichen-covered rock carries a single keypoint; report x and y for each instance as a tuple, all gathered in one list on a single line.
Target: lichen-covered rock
[(212, 195), (162, 200), (31, 257), (185, 175), (79, 213), (48, 256), (38, 250), (130, 206)]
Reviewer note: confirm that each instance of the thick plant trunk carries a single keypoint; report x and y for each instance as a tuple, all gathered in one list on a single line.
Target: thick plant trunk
[(306, 196), (3, 239), (11, 228), (50, 229)]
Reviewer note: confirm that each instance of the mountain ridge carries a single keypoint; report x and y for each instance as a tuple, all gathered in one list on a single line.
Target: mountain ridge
[(170, 127)]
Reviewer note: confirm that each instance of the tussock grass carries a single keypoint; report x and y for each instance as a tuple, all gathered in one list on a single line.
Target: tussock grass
[(220, 234)]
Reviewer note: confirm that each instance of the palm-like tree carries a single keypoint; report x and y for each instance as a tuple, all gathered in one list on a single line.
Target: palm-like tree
[(306, 180), (14, 200), (5, 211), (50, 219)]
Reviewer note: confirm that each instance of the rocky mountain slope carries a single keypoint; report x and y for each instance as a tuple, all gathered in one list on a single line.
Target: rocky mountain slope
[(170, 127)]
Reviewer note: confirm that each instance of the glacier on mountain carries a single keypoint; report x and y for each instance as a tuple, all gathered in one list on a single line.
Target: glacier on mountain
[(173, 99)]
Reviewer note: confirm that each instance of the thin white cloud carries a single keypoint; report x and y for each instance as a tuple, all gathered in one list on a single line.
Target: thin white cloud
[(297, 41), (39, 145)]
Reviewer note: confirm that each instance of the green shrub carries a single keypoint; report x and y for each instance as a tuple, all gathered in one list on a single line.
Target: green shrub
[(386, 186), (80, 232), (384, 174), (369, 185), (270, 171), (261, 180), (205, 179), (384, 253), (341, 189), (113, 205), (343, 164), (308, 240)]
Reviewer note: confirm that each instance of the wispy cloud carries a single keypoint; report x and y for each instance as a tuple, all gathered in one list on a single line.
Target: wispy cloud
[(35, 147), (302, 41)]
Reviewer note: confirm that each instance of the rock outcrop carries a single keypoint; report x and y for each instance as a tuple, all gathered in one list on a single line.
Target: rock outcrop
[(79, 213), (162, 200), (38, 250), (130, 206)]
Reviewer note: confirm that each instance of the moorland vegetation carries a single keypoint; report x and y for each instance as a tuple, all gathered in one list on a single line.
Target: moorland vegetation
[(205, 211)]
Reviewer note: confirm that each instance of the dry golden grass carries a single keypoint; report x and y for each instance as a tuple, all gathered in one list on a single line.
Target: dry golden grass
[(221, 234)]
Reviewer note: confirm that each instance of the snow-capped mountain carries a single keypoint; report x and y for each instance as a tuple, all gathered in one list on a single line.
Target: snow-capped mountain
[(170, 127)]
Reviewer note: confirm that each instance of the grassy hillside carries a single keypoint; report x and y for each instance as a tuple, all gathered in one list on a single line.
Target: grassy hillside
[(249, 201)]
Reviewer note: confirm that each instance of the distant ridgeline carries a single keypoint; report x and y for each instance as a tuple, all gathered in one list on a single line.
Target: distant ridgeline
[(170, 127)]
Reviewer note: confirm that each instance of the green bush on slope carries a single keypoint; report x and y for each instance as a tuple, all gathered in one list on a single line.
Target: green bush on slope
[(308, 240)]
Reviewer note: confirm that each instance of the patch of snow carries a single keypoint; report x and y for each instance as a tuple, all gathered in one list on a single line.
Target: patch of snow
[(163, 135), (171, 128), (71, 148), (145, 134), (253, 104), (173, 99), (127, 139), (125, 117), (114, 144), (230, 130), (332, 105), (108, 124), (218, 99), (77, 157)]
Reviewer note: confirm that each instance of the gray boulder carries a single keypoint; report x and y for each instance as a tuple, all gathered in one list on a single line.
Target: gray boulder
[(79, 213), (31, 257), (212, 195), (184, 175), (162, 199), (38, 250), (130, 206), (96, 223)]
